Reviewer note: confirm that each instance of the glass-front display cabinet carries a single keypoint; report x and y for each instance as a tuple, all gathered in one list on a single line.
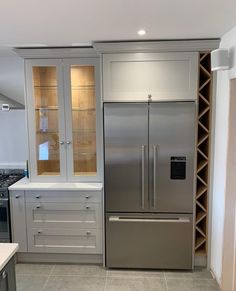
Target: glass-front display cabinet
[(63, 114)]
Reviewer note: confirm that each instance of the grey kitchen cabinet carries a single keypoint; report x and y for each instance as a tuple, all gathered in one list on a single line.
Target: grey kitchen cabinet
[(64, 215), (135, 77), (63, 117), (18, 219), (61, 196), (65, 240), (8, 277), (57, 221)]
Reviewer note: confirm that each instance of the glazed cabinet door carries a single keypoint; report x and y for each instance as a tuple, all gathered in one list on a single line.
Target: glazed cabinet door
[(82, 107), (46, 121)]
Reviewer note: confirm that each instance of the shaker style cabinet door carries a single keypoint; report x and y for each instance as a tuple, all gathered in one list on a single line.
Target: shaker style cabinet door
[(82, 106), (63, 119), (45, 114), (133, 77)]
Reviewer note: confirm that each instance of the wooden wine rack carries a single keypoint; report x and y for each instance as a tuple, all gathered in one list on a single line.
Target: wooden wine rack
[(203, 146)]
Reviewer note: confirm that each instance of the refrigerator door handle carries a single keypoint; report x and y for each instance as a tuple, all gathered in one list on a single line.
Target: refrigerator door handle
[(157, 220), (154, 175), (143, 174)]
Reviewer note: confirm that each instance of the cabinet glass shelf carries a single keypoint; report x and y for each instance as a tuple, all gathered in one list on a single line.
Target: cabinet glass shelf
[(82, 109), (46, 87), (46, 108), (81, 130)]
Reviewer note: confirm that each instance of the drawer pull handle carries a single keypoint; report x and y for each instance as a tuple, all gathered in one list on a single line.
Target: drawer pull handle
[(37, 196), (38, 206), (87, 207), (88, 232), (39, 231), (87, 197), (17, 196)]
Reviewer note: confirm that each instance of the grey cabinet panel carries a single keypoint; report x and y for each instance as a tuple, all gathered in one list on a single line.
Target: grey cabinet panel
[(18, 219), (63, 196), (55, 240), (165, 76), (64, 215), (8, 277)]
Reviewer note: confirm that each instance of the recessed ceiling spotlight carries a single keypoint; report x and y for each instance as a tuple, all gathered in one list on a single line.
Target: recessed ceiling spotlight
[(141, 32)]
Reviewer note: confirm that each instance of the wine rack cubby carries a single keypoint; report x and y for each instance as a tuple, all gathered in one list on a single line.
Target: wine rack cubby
[(203, 152)]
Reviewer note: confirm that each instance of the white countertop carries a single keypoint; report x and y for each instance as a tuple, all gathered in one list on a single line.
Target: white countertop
[(25, 184), (7, 251)]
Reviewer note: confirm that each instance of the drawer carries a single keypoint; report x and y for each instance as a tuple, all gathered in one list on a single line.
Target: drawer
[(53, 240), (64, 215), (64, 196)]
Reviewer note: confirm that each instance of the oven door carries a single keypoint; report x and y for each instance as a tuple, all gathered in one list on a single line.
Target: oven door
[(4, 220)]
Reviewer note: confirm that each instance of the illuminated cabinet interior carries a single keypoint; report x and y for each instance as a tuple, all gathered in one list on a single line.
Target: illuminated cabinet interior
[(62, 119), (83, 120), (46, 118)]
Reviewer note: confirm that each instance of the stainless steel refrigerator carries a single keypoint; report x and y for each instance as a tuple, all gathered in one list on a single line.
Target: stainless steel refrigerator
[(149, 184)]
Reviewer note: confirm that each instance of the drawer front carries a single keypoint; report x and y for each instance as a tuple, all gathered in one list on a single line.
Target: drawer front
[(52, 240), (63, 196), (64, 215), (149, 241)]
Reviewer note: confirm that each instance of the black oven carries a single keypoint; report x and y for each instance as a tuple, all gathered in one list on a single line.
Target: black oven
[(5, 234), (7, 178)]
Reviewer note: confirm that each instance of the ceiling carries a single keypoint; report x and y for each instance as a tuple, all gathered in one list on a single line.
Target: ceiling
[(77, 22)]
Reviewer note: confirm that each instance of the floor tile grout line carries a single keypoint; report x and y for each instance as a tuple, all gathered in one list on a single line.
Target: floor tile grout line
[(165, 281), (49, 275), (105, 287)]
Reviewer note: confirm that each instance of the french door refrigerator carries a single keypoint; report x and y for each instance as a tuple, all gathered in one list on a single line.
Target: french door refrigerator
[(149, 184)]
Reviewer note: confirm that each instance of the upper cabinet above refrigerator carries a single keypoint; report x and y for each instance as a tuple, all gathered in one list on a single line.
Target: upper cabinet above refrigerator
[(135, 77), (63, 115)]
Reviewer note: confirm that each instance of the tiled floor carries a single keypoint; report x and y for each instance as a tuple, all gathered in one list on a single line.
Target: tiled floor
[(39, 277)]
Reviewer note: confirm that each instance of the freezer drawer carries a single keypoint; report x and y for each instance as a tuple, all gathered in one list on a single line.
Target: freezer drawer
[(150, 241)]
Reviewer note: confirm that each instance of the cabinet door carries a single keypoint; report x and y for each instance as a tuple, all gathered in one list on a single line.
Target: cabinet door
[(83, 133), (162, 76), (8, 277), (18, 219), (45, 106)]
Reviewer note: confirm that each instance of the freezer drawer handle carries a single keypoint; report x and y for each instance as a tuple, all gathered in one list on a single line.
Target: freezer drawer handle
[(158, 220), (143, 174)]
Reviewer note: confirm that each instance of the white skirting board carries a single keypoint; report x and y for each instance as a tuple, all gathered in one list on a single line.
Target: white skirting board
[(58, 258)]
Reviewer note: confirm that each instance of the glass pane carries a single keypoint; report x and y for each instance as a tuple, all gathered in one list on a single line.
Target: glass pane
[(46, 116), (84, 120), (3, 220)]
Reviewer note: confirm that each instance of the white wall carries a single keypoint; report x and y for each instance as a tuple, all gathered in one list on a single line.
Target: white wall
[(13, 151), (220, 156), (12, 75), (13, 142)]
